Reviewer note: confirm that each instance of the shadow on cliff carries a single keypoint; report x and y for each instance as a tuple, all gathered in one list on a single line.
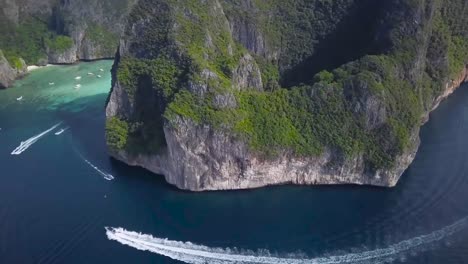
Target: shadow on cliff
[(357, 35), (86, 118)]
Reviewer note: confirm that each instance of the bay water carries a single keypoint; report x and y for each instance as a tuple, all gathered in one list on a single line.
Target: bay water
[(59, 193)]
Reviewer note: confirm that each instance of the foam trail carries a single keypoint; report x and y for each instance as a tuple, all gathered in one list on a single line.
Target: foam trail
[(24, 145), (106, 176), (61, 131), (199, 254)]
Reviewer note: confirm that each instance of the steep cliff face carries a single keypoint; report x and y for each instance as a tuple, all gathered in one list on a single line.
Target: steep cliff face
[(8, 74), (221, 95), (62, 32)]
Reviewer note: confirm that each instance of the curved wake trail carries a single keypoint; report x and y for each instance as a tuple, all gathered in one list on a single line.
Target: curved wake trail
[(106, 176), (29, 142), (61, 131), (199, 254)]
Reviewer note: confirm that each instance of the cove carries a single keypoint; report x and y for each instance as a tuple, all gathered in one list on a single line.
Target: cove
[(55, 199)]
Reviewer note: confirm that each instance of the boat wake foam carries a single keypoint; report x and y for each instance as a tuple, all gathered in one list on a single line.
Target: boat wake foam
[(198, 254), (105, 175), (29, 142), (61, 131)]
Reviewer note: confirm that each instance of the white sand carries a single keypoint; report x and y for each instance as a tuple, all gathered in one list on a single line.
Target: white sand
[(35, 67)]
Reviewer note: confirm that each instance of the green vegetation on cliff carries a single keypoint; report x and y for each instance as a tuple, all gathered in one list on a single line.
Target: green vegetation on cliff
[(370, 105), (24, 41), (107, 41), (59, 43), (162, 72), (29, 40), (116, 133), (307, 119)]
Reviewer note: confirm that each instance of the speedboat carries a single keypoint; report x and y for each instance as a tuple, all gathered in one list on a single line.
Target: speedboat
[(78, 78), (101, 70), (108, 177), (61, 131), (99, 76), (77, 86), (19, 98), (90, 73), (51, 83)]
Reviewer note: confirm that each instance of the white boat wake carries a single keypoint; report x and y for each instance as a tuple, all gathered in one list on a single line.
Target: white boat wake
[(29, 142), (106, 176), (61, 131), (198, 254)]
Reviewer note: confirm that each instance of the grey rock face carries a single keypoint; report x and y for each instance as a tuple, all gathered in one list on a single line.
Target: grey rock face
[(225, 100), (247, 34), (91, 50), (66, 57), (10, 10), (86, 16), (119, 104), (247, 74), (200, 159), (8, 74), (364, 103), (14, 10)]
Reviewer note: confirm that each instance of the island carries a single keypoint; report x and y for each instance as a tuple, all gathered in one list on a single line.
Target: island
[(222, 95)]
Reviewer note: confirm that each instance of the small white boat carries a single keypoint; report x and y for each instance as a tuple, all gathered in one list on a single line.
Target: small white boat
[(61, 131), (51, 83), (19, 98), (101, 70), (90, 73), (99, 76), (78, 78), (77, 86), (108, 177)]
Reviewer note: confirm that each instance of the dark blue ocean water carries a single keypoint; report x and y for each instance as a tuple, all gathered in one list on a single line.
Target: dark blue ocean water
[(54, 206)]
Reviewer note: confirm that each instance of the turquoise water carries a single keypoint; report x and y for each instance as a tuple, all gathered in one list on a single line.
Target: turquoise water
[(60, 192)]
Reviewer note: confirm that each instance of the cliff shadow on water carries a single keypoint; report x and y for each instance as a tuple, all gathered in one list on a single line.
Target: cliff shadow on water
[(356, 35), (85, 117)]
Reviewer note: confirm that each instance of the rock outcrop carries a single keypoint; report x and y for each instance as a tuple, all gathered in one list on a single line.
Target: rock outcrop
[(8, 74), (196, 93)]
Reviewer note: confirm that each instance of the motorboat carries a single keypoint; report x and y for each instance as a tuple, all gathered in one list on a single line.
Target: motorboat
[(60, 131)]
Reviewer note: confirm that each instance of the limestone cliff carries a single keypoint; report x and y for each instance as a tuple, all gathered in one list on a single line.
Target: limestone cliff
[(8, 74), (61, 32), (219, 94)]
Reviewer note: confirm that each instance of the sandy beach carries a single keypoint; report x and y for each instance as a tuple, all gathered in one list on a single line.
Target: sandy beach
[(35, 67)]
